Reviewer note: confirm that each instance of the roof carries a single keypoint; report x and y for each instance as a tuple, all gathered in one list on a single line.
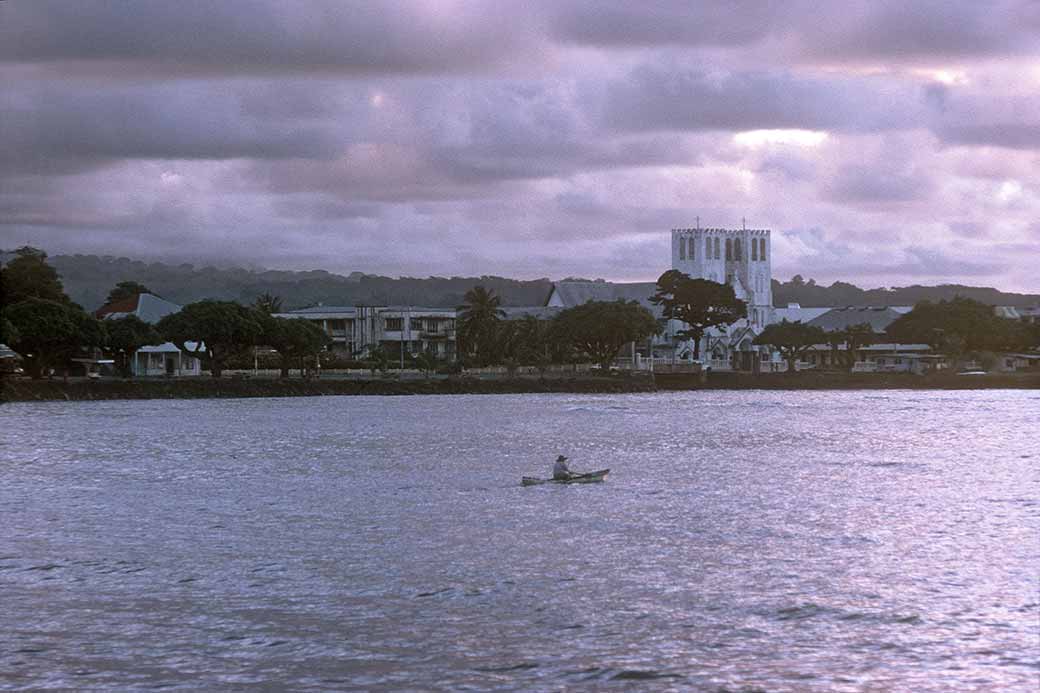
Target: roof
[(167, 348), (896, 347), (570, 294), (148, 307), (537, 312), (842, 318), (795, 313), (318, 311)]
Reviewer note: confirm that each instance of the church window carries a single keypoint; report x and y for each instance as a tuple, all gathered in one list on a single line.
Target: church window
[(717, 255), (729, 249), (762, 250), (682, 248), (692, 246), (754, 250), (736, 249)]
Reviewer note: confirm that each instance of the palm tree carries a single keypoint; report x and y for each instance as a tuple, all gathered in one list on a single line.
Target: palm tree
[(266, 303), (478, 322)]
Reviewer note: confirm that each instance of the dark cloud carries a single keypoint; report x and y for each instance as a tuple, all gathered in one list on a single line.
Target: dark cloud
[(893, 30), (46, 124), (258, 36), (1010, 135), (623, 23), (671, 97), (872, 185)]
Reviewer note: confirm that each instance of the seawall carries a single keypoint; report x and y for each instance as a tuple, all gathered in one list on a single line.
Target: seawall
[(24, 390)]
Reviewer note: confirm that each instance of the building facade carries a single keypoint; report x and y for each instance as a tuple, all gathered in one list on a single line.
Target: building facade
[(358, 330), (741, 258)]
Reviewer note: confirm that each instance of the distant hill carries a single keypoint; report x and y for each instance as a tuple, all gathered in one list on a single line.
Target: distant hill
[(810, 294), (88, 279)]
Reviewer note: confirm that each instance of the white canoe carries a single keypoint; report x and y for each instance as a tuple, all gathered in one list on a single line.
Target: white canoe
[(587, 478)]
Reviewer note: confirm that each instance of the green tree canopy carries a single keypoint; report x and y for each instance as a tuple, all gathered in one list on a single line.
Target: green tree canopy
[(293, 338), (853, 338), (47, 333), (29, 276), (477, 324), (699, 303), (958, 326), (126, 335), (219, 329), (600, 329), (791, 339), (125, 290)]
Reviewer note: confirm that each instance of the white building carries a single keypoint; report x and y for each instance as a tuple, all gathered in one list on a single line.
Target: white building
[(741, 258), (358, 330)]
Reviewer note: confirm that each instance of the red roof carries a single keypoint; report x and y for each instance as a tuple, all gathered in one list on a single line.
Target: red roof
[(127, 305)]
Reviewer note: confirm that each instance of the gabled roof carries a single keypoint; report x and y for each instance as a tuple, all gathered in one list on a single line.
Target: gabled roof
[(147, 307), (537, 312), (795, 313), (571, 294), (842, 318)]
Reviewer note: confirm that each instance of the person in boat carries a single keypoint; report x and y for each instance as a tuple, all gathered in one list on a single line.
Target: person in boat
[(561, 470)]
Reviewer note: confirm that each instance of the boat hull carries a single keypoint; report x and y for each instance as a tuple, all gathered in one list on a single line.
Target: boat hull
[(588, 478)]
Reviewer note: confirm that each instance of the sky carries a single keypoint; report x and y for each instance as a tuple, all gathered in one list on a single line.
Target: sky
[(884, 143)]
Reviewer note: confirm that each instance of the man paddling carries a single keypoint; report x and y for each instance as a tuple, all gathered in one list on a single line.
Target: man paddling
[(561, 471)]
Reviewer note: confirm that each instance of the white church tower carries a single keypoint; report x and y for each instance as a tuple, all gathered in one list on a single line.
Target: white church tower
[(741, 258)]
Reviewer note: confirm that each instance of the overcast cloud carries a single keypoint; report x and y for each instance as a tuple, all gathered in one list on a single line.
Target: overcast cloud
[(885, 143)]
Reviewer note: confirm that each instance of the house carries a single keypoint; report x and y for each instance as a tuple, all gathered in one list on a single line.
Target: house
[(162, 359), (1012, 363)]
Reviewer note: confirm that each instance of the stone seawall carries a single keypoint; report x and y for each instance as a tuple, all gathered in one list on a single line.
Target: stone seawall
[(824, 380), (22, 390)]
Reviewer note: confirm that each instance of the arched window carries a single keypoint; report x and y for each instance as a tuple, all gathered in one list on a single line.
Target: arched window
[(729, 249), (762, 250), (693, 245), (754, 250), (717, 255), (736, 248), (682, 248)]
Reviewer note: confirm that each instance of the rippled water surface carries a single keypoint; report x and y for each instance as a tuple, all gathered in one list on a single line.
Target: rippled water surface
[(799, 541)]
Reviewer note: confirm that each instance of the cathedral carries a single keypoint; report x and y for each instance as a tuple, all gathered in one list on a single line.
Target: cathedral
[(742, 259), (738, 257)]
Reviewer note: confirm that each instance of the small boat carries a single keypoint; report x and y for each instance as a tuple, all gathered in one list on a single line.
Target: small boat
[(586, 478)]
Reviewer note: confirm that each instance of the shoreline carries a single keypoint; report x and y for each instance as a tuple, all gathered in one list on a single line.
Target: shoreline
[(22, 390)]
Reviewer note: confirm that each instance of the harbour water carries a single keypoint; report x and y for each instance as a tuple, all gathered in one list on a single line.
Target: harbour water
[(775, 541)]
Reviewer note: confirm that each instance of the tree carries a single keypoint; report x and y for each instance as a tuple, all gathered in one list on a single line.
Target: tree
[(958, 326), (29, 276), (125, 290), (791, 339), (426, 362), (219, 329), (268, 304), (293, 339), (125, 336), (854, 338), (600, 329), (478, 322), (699, 303), (47, 333)]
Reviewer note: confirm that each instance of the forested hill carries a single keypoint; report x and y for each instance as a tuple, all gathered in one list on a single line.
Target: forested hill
[(810, 294), (88, 279)]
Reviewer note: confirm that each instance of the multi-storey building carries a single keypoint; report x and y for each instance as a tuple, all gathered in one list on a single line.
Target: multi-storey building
[(357, 330)]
